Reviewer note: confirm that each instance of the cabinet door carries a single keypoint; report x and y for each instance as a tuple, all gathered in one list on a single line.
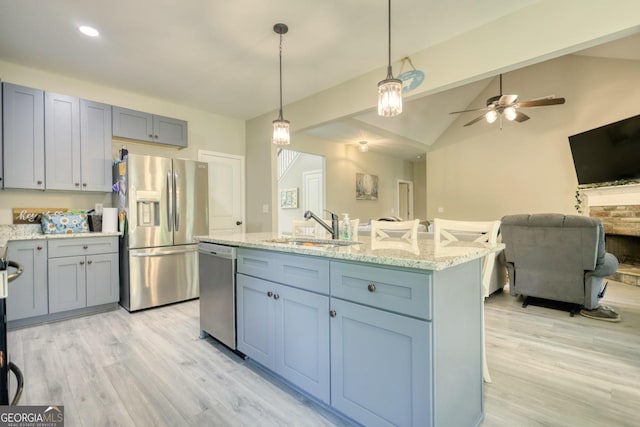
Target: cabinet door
[(169, 131), (28, 293), (62, 141), (95, 142), (132, 124), (380, 366), (67, 283), (256, 319), (23, 138), (102, 279), (302, 340), (1, 143)]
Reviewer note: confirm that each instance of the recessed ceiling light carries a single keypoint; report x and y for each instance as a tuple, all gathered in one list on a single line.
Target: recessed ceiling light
[(88, 31)]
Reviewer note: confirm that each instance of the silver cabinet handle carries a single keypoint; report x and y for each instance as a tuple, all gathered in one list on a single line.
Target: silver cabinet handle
[(39, 248), (77, 184), (333, 313), (276, 296), (81, 262), (155, 254), (17, 274), (84, 184), (85, 247), (39, 182), (269, 294), (89, 262), (371, 287)]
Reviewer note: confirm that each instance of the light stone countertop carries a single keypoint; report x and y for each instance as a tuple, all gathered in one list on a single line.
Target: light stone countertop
[(34, 232), (426, 257)]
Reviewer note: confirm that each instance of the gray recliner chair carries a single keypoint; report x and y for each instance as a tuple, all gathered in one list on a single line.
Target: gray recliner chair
[(557, 257)]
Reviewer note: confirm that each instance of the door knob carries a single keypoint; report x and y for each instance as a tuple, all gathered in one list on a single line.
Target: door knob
[(81, 262), (89, 262), (371, 287), (269, 294), (238, 222), (276, 296), (333, 313)]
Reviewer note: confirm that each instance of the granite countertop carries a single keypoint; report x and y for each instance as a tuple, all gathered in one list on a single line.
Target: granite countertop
[(34, 232), (423, 256)]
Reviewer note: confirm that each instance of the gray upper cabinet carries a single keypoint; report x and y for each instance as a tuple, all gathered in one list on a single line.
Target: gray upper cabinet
[(23, 137), (62, 141), (141, 126), (95, 143), (78, 144)]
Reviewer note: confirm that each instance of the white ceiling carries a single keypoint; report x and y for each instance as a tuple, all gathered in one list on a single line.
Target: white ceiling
[(222, 56)]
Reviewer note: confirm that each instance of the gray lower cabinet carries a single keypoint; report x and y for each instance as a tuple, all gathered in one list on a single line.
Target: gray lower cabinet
[(1, 143), (286, 330), (28, 293), (23, 137), (147, 127), (405, 345), (283, 317), (380, 366), (81, 275)]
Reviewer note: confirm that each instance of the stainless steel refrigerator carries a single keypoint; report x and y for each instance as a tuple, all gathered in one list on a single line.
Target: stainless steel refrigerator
[(164, 203)]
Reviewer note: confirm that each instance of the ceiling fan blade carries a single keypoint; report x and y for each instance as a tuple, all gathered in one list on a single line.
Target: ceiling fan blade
[(507, 99), (476, 120), (541, 102), (521, 117), (466, 111)]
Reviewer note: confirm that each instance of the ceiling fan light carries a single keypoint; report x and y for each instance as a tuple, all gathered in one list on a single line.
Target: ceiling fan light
[(281, 135), (363, 147), (389, 97), (491, 116), (510, 113)]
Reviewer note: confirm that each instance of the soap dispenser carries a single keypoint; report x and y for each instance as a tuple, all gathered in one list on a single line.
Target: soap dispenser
[(346, 227)]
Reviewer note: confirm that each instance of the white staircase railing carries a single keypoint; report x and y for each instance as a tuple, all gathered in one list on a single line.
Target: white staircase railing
[(285, 160)]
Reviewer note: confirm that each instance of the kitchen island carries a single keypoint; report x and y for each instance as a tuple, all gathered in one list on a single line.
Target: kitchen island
[(383, 336)]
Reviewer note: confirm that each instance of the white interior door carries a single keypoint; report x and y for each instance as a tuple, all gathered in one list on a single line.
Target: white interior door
[(313, 192), (405, 200), (226, 191)]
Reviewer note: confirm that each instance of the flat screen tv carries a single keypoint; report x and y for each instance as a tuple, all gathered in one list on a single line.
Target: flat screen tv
[(608, 153)]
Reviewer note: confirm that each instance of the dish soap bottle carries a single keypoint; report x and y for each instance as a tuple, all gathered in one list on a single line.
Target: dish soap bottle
[(346, 227)]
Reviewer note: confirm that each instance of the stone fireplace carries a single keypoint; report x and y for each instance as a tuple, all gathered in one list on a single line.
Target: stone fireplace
[(619, 209)]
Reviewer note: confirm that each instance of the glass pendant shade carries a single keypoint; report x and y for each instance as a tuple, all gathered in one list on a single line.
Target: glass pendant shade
[(363, 147), (491, 116), (389, 97), (281, 132), (510, 113)]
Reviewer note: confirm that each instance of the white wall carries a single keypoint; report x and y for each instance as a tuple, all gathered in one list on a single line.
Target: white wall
[(206, 131), (480, 172)]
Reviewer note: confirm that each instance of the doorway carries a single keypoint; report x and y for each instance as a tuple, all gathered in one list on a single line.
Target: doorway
[(404, 199), (226, 191), (301, 186)]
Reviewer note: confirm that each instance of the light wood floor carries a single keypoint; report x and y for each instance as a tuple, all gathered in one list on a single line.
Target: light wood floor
[(150, 368)]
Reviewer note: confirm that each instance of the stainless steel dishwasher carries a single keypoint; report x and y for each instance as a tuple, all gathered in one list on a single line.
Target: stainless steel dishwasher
[(218, 292)]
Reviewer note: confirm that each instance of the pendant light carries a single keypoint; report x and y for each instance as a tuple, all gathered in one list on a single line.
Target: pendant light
[(389, 89), (363, 146), (281, 135)]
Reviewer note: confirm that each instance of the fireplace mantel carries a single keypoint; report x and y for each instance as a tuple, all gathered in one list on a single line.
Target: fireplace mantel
[(617, 195)]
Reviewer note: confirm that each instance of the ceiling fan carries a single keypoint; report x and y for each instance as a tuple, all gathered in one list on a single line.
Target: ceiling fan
[(507, 106)]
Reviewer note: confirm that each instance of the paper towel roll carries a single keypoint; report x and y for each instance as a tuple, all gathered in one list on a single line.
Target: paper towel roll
[(109, 220)]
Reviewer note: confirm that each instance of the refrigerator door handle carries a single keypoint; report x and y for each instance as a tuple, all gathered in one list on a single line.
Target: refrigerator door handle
[(175, 199), (169, 203), (163, 253)]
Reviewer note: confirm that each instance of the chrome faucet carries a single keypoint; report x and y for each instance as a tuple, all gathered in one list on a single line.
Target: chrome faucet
[(335, 233)]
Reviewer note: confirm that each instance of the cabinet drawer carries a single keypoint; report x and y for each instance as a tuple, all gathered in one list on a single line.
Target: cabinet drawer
[(82, 246), (303, 272), (403, 292)]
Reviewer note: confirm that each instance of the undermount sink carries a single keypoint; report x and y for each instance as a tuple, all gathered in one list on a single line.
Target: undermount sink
[(313, 242)]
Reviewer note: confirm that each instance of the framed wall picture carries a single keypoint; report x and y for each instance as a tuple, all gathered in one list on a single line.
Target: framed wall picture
[(289, 198), (366, 186)]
